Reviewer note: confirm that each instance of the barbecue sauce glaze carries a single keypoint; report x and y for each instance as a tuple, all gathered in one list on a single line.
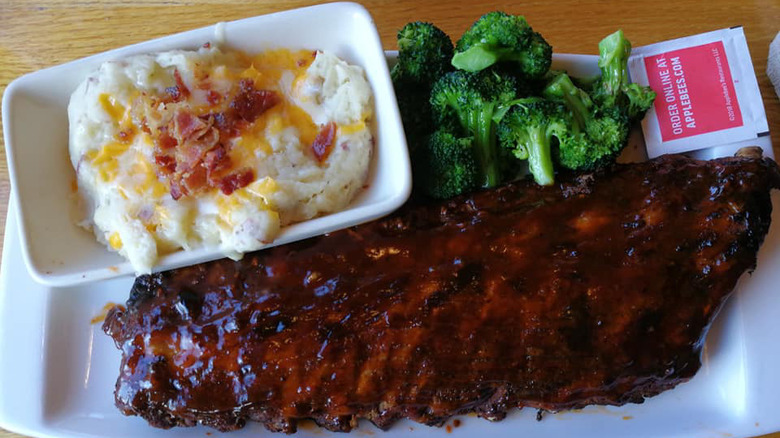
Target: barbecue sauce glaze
[(597, 290)]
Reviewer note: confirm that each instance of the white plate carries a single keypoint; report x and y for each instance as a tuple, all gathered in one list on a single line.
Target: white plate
[(57, 369), (60, 253)]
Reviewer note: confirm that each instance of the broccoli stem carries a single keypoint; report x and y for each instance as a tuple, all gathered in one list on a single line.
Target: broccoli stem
[(576, 100), (480, 122), (476, 58), (540, 157), (613, 56), (614, 88)]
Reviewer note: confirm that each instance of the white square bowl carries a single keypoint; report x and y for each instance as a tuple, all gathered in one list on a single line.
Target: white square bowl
[(59, 253)]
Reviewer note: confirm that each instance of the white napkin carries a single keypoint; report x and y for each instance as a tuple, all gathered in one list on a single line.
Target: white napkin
[(773, 63)]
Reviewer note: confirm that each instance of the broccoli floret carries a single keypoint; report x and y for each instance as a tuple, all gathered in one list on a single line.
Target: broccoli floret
[(583, 152), (535, 61), (613, 89), (424, 54), (609, 127), (497, 37), (580, 152), (640, 99), (561, 88), (528, 129), (466, 103), (596, 136), (415, 112), (526, 87), (448, 166), (601, 120)]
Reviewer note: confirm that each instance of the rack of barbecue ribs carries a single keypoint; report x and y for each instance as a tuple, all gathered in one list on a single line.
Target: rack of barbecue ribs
[(597, 290)]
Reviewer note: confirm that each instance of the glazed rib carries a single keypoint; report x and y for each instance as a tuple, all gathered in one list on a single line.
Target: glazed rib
[(598, 290)]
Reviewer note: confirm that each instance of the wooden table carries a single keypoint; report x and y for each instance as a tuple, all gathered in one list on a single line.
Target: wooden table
[(38, 34)]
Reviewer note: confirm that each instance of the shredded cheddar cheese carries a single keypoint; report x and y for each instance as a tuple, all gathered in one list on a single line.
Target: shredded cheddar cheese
[(258, 193), (109, 104), (262, 189), (352, 128), (106, 160), (115, 241)]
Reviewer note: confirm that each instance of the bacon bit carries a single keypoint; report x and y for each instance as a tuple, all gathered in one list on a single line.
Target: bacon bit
[(206, 45), (195, 180), (176, 93), (166, 163), (185, 125), (226, 125), (193, 150), (323, 143), (180, 83), (213, 97), (249, 103), (236, 180), (190, 139), (165, 141), (215, 159), (217, 164)]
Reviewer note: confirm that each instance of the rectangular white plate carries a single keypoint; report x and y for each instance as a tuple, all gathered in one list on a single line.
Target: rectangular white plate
[(57, 369)]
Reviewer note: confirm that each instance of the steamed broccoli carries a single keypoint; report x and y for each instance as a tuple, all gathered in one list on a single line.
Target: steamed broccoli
[(415, 112), (452, 167), (497, 37), (424, 54), (600, 121), (528, 129), (469, 128), (465, 103), (596, 135), (613, 88)]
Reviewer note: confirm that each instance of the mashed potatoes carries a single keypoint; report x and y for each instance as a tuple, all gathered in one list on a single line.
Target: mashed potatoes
[(189, 148)]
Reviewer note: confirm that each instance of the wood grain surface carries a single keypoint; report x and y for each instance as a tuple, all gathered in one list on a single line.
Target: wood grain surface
[(38, 34)]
